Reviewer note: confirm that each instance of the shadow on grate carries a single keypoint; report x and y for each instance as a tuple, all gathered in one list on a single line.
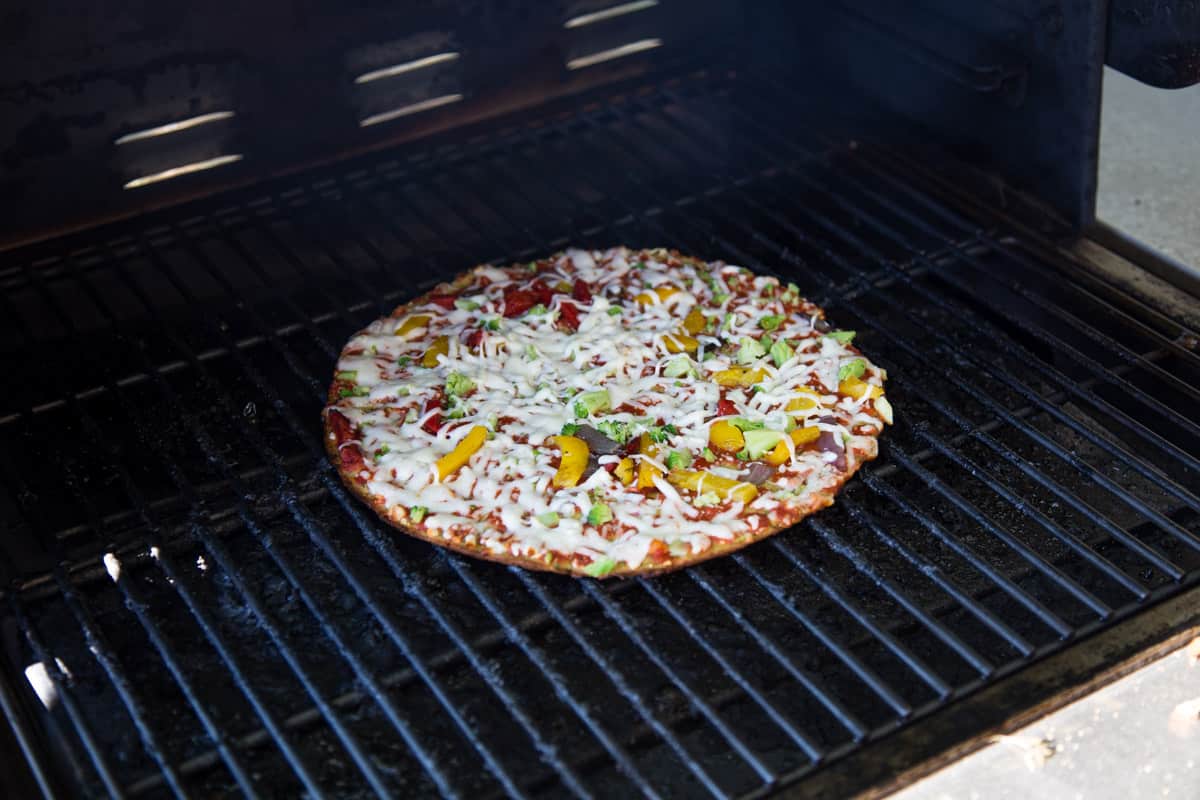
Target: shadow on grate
[(214, 613)]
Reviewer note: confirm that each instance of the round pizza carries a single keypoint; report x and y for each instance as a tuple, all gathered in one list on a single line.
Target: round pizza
[(603, 413)]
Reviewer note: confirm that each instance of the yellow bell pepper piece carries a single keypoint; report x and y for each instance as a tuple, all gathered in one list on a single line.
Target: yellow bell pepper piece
[(440, 347), (739, 376), (695, 321), (451, 462), (680, 343), (779, 454), (857, 388), (807, 400), (803, 436), (724, 435), (410, 324), (656, 297), (645, 469), (624, 471), (700, 481), (573, 462)]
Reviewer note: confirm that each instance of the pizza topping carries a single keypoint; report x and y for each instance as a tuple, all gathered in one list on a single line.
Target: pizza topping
[(588, 403), (596, 441), (573, 462), (725, 436), (466, 447), (758, 474), (605, 409)]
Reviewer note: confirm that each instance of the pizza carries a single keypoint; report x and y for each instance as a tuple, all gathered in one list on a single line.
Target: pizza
[(603, 413)]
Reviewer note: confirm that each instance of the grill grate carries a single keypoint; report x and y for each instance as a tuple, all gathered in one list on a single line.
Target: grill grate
[(254, 629)]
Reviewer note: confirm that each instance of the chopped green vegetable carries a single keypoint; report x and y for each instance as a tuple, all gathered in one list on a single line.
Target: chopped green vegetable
[(466, 305), (741, 456), (600, 567), (381, 452), (709, 455), (614, 311), (569, 429), (659, 434), (845, 337), (771, 321), (599, 514), (411, 416), (750, 351), (761, 442), (492, 422), (492, 324), (548, 518), (417, 513), (403, 361), (766, 341), (852, 369), (677, 459), (681, 367), (588, 403), (780, 352), (458, 384), (743, 424), (353, 391), (531, 352), (720, 297), (539, 309), (619, 432), (347, 375), (639, 265), (707, 499)]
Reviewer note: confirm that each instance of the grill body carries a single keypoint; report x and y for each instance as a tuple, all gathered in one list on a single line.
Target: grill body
[(194, 605)]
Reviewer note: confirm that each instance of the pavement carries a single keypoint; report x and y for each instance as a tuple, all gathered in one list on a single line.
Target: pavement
[(1150, 165), (1138, 737)]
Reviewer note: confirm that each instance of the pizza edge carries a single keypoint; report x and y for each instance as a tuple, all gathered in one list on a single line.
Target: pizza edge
[(396, 517)]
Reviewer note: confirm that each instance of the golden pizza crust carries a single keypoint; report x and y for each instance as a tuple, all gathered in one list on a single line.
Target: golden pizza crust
[(397, 516)]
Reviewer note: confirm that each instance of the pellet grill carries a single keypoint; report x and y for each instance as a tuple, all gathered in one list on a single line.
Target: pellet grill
[(201, 203)]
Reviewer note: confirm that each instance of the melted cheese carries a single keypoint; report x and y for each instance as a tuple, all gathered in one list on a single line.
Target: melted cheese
[(527, 370)]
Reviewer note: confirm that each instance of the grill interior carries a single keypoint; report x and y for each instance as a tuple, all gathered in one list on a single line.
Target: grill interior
[(253, 628)]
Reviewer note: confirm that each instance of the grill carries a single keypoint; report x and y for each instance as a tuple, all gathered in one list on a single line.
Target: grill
[(205, 610)]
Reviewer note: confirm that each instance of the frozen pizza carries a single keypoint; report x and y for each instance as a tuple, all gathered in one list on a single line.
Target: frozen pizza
[(603, 413)]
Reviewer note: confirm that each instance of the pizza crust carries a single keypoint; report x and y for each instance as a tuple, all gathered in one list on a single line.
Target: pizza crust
[(341, 437)]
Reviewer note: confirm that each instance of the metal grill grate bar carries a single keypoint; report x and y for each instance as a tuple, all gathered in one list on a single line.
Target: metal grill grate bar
[(80, 726)]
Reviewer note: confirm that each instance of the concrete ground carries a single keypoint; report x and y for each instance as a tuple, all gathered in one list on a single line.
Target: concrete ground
[(1140, 736), (1150, 165), (1136, 738)]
